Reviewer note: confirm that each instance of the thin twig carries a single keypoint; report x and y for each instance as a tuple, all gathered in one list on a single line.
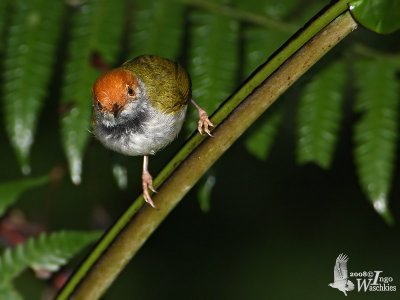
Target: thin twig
[(242, 15)]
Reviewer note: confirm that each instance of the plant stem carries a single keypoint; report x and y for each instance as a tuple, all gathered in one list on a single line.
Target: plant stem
[(129, 233), (242, 15), (364, 50)]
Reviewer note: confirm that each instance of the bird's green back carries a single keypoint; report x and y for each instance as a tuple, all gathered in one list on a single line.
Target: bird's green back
[(168, 85)]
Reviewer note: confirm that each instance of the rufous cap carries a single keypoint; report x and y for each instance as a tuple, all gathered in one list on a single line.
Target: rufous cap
[(113, 88)]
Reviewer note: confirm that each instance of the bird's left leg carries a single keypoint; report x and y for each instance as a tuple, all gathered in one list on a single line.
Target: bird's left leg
[(147, 182), (204, 122)]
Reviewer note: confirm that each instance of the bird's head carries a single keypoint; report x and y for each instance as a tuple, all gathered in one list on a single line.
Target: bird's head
[(115, 94), (139, 85)]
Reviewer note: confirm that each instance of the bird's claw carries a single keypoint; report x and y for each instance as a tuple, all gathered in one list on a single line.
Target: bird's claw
[(152, 189), (204, 123), (147, 183)]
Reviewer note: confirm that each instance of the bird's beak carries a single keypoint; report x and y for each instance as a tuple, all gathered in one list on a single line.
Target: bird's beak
[(116, 109)]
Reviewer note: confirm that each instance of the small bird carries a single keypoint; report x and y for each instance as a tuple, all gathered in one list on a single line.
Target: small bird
[(139, 108), (341, 279)]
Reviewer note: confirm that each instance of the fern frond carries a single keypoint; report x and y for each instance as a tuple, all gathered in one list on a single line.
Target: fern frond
[(260, 139), (3, 11), (260, 43), (277, 9), (11, 191), (8, 292), (212, 68), (96, 28), (47, 252), (28, 61), (319, 115), (375, 134), (157, 28), (206, 186), (120, 174)]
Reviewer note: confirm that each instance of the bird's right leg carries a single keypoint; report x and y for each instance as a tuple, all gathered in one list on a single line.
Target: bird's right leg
[(147, 182), (204, 123)]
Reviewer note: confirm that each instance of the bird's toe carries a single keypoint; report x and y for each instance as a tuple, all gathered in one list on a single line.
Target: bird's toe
[(147, 184)]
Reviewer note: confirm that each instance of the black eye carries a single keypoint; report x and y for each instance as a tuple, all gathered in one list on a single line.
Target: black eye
[(131, 92), (99, 106)]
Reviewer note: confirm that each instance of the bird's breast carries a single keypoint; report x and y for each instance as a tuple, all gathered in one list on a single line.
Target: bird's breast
[(144, 132)]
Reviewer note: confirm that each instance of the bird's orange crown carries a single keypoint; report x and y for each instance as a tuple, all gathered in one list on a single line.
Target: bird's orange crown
[(114, 89)]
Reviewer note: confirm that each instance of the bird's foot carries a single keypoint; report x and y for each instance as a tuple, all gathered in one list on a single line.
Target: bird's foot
[(204, 122), (147, 184)]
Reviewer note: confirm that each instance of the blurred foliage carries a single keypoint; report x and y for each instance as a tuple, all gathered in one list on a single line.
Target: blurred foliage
[(28, 64), (42, 253), (92, 33), (11, 191), (9, 293), (377, 15), (52, 51), (319, 114), (375, 134), (213, 51), (260, 139), (155, 25), (205, 191)]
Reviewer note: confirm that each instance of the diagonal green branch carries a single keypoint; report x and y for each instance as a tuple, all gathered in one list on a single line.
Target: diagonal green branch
[(129, 233)]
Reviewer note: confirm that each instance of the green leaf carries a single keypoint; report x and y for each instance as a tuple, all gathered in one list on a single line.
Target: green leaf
[(319, 115), (206, 187), (120, 173), (260, 43), (47, 252), (381, 16), (28, 61), (375, 134), (12, 190), (96, 29), (308, 10), (277, 9), (3, 13), (262, 136), (212, 69), (157, 28), (7, 292)]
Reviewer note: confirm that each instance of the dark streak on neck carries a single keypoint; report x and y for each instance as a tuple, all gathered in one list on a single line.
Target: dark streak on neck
[(132, 125)]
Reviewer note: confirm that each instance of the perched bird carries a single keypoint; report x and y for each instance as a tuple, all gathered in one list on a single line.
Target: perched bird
[(341, 279), (140, 107)]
